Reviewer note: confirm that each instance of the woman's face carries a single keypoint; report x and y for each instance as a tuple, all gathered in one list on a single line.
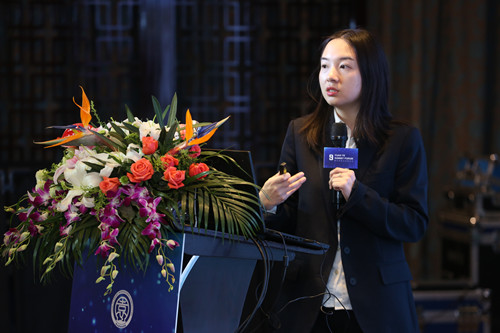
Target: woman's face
[(339, 76)]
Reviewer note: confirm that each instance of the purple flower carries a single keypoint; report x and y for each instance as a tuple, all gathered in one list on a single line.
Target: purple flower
[(71, 216), (11, 236), (152, 230), (103, 249), (40, 196), (149, 209), (154, 242), (23, 216), (106, 235), (37, 217), (109, 215), (34, 229), (82, 209), (115, 200), (65, 229), (137, 192), (172, 244)]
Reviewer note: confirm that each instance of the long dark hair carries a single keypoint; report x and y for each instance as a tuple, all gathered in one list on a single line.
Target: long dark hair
[(373, 119)]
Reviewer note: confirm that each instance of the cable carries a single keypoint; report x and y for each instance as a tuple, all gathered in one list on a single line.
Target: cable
[(265, 260), (327, 292), (286, 261), (329, 296)]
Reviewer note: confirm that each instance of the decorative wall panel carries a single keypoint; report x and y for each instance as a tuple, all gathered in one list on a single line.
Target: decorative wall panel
[(252, 60)]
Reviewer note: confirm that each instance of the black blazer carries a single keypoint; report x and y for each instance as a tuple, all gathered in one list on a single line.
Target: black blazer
[(388, 206)]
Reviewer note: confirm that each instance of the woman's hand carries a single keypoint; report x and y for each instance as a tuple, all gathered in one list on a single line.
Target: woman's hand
[(342, 180), (279, 187)]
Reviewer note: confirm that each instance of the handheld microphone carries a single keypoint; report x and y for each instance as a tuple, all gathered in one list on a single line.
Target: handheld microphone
[(338, 135)]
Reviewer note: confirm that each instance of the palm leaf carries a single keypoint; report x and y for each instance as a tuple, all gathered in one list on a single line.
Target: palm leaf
[(231, 211)]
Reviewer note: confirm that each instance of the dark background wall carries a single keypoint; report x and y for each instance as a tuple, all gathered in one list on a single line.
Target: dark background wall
[(250, 59)]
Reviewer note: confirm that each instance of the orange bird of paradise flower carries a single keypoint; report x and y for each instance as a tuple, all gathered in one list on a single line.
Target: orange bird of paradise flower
[(80, 134), (204, 132)]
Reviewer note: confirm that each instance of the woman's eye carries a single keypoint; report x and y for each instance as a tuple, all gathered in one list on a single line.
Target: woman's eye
[(345, 66)]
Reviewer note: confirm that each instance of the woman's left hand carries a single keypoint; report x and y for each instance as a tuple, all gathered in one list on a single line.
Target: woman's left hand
[(342, 180)]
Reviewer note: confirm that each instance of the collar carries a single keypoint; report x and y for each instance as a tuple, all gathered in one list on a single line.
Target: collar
[(351, 143)]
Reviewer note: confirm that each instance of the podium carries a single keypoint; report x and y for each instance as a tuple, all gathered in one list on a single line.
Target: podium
[(210, 291), (214, 290)]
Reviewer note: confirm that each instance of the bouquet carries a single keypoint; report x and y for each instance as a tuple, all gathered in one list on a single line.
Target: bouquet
[(121, 191)]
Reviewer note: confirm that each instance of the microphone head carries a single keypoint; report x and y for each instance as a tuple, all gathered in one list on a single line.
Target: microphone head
[(338, 134)]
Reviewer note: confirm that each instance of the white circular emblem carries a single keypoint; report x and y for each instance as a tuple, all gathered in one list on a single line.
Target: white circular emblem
[(122, 309)]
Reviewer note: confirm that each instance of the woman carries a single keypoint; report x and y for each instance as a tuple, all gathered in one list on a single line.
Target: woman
[(362, 284)]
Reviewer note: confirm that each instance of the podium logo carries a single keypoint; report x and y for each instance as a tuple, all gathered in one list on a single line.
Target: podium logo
[(122, 309)]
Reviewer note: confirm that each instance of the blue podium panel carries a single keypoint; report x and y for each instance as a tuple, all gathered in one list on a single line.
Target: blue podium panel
[(139, 303)]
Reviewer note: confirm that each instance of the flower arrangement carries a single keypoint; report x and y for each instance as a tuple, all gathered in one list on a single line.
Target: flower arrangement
[(121, 190)]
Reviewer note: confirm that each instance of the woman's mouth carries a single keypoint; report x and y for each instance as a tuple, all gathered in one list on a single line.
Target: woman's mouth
[(330, 91)]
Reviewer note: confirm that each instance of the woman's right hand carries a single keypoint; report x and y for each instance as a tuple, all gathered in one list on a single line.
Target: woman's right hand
[(279, 187)]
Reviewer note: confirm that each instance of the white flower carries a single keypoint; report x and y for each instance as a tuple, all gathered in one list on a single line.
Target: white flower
[(117, 156), (137, 122), (111, 164), (134, 152), (149, 128), (106, 171), (79, 177), (81, 180), (88, 202), (68, 163)]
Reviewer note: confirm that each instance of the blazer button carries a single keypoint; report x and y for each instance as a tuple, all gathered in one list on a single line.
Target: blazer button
[(353, 281), (347, 250)]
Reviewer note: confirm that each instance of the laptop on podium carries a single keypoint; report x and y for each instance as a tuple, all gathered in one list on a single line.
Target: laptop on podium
[(246, 171)]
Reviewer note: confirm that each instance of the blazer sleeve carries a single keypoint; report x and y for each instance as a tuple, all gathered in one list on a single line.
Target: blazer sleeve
[(391, 200), (285, 218)]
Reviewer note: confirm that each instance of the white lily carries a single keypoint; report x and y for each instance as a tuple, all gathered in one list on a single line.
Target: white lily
[(149, 128), (134, 152), (80, 179)]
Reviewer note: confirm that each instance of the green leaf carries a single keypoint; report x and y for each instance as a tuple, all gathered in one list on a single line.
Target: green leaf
[(172, 117), (130, 116), (131, 128), (108, 142), (165, 113), (157, 108), (94, 166), (118, 130), (169, 137)]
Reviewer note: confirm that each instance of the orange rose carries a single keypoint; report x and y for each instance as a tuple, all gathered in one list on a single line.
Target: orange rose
[(109, 185), (197, 168), (149, 145), (174, 177), (169, 161), (142, 170)]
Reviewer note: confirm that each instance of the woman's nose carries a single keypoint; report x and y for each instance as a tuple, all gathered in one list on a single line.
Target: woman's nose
[(332, 74)]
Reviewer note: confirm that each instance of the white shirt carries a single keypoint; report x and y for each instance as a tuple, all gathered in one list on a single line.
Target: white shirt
[(336, 295)]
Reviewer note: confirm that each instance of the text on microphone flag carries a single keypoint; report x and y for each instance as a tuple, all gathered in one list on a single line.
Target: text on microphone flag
[(334, 157)]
